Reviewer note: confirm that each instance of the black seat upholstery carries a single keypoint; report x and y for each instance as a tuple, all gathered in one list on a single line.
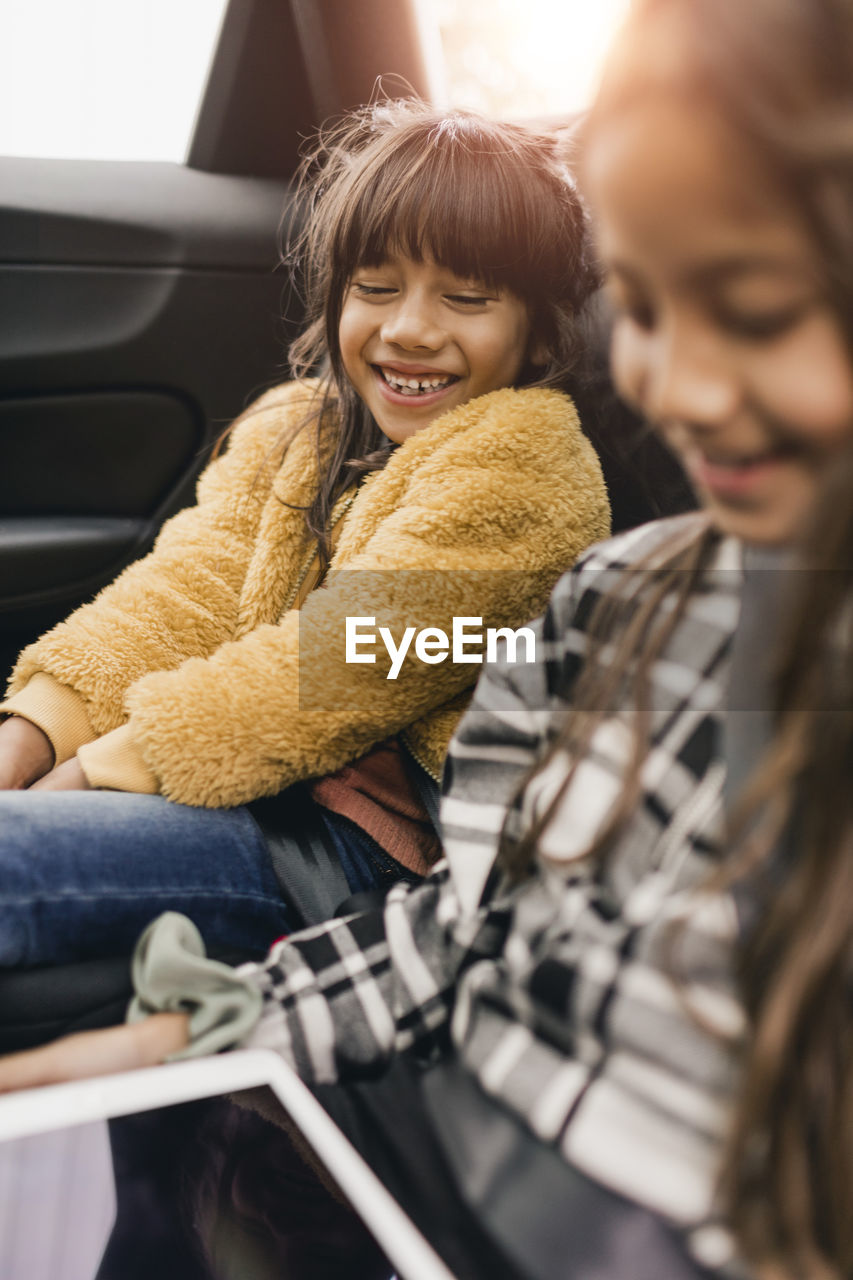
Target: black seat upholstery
[(37, 1005)]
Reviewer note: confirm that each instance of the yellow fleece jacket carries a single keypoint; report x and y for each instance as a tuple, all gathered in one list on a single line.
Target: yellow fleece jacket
[(193, 675)]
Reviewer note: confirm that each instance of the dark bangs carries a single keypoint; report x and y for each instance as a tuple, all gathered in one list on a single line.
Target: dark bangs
[(469, 194)]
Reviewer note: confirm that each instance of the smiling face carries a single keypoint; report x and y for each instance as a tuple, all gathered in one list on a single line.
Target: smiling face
[(417, 340), (723, 337)]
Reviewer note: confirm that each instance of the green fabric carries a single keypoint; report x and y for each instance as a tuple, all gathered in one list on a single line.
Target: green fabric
[(172, 974)]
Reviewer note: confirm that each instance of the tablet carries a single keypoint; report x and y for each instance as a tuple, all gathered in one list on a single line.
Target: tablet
[(57, 1201)]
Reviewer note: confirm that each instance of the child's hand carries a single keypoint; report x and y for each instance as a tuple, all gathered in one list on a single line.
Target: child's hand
[(67, 776), (26, 753), (97, 1053)]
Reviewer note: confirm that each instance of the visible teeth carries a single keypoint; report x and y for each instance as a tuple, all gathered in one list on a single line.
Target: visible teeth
[(415, 386)]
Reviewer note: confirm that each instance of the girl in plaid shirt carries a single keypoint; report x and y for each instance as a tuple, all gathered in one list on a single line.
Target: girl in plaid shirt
[(623, 1029)]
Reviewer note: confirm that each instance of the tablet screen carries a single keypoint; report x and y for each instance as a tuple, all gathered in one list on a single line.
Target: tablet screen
[(57, 1203)]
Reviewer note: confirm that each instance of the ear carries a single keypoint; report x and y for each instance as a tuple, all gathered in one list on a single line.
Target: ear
[(538, 351)]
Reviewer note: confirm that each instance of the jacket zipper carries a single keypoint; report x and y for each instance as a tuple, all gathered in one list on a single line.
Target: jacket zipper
[(340, 509), (418, 761)]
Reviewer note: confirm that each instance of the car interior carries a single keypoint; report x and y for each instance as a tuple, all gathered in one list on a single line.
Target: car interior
[(146, 307), (149, 307)]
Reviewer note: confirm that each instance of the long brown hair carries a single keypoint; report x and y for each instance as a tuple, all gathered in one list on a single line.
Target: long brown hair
[(781, 71), (487, 200)]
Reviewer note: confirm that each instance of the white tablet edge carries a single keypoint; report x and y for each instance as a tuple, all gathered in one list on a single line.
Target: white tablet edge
[(59, 1106)]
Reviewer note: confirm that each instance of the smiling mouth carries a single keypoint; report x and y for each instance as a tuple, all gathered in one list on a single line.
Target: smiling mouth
[(744, 462), (422, 385), (737, 478)]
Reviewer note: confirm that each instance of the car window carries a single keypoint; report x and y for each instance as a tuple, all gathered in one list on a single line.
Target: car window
[(103, 79), (521, 58)]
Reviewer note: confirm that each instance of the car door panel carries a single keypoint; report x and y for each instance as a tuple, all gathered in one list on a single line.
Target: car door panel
[(94, 453), (61, 554), (141, 310)]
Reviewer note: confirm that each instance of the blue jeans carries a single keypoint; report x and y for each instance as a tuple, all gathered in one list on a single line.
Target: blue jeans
[(83, 872)]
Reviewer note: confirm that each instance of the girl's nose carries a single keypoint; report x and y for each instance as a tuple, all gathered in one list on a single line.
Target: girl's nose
[(687, 379), (413, 325)]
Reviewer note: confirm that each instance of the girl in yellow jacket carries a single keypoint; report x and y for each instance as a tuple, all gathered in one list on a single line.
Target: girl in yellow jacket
[(250, 723)]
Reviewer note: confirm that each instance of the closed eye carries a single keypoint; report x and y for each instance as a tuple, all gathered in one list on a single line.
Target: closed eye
[(372, 290), (761, 326), (468, 299)]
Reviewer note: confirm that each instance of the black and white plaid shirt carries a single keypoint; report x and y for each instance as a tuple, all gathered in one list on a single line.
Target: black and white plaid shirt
[(558, 994)]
